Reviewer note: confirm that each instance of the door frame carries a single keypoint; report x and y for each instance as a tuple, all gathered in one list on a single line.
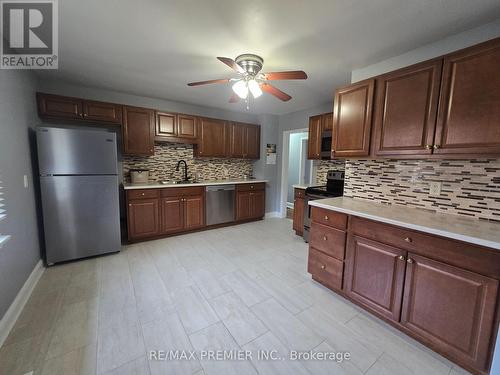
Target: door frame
[(284, 168)]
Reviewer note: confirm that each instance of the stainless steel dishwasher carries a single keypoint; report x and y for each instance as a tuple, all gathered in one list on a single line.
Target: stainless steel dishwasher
[(220, 204)]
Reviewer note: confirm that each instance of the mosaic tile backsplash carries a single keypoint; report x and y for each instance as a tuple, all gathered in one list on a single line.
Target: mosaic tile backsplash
[(162, 164), (323, 166), (469, 187)]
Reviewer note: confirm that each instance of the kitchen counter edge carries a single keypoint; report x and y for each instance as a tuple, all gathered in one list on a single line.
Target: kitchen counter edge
[(468, 230), (129, 186)]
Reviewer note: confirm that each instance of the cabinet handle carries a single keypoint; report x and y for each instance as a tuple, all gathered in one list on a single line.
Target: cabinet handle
[(143, 194), (326, 217), (428, 147), (435, 147), (401, 257), (323, 267), (409, 260), (408, 239), (325, 238), (130, 204)]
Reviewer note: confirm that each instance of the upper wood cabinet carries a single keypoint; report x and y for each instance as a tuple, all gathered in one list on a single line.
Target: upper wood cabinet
[(451, 308), (352, 119), (138, 131), (212, 138), (244, 140), (314, 138), (318, 125), (55, 106), (102, 112), (186, 127), (175, 127), (63, 107), (252, 141), (469, 113), (406, 108)]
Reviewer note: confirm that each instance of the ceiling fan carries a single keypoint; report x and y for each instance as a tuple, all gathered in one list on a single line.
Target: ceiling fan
[(252, 80)]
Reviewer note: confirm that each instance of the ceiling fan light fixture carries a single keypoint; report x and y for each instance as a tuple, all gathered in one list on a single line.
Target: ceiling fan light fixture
[(240, 88), (254, 88)]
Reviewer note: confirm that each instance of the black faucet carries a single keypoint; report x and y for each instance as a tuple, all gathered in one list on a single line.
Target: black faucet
[(185, 169)]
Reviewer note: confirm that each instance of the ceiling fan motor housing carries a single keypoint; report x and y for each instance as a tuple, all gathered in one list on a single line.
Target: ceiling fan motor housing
[(252, 64)]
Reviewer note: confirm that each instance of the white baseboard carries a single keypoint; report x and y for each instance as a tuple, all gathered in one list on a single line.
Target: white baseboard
[(10, 317), (270, 215)]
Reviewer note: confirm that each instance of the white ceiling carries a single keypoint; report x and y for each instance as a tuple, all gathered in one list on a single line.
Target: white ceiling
[(154, 47)]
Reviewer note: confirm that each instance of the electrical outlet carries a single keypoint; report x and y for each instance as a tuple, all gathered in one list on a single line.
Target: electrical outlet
[(435, 188)]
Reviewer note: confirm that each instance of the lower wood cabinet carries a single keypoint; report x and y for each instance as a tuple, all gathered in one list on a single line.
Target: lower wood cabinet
[(442, 292), (250, 201), (298, 212), (143, 218), (155, 212), (450, 308), (374, 276)]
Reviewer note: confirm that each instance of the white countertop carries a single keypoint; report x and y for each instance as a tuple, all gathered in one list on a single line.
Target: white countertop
[(157, 185), (465, 229), (302, 186)]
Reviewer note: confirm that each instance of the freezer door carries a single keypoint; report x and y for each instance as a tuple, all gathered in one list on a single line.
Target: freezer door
[(76, 151), (81, 216)]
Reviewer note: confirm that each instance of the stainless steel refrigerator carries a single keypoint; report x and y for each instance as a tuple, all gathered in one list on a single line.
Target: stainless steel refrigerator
[(80, 192)]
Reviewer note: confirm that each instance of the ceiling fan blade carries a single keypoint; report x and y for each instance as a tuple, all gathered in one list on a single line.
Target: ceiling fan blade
[(295, 74), (270, 89), (232, 64), (225, 80), (234, 98)]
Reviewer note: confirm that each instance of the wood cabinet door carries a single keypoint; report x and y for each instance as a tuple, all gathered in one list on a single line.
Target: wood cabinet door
[(166, 124), (243, 211), (374, 276), (352, 119), (212, 141), (186, 126), (237, 140), (138, 131), (298, 216), (143, 218), (327, 124), (194, 212), (314, 140), (257, 204), (172, 214), (56, 106), (406, 109), (252, 142), (102, 112), (469, 109), (450, 308)]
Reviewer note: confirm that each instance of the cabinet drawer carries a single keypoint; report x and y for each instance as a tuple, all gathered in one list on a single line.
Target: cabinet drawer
[(460, 254), (328, 240), (182, 191), (251, 187), (330, 218), (143, 194), (300, 193), (325, 269)]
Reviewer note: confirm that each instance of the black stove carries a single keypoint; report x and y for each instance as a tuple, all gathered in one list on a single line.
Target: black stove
[(334, 188)]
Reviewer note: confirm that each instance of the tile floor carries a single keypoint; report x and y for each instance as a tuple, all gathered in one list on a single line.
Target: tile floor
[(238, 288)]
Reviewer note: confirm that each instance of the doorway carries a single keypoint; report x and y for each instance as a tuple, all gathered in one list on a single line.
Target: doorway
[(296, 168)]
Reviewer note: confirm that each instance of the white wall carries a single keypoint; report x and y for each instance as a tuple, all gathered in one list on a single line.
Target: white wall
[(429, 51), (18, 117), (294, 161)]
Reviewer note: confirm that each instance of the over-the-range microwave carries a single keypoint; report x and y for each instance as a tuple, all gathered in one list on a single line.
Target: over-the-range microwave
[(326, 144)]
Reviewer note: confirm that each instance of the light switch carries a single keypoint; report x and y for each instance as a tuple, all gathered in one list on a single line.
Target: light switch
[(25, 181)]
